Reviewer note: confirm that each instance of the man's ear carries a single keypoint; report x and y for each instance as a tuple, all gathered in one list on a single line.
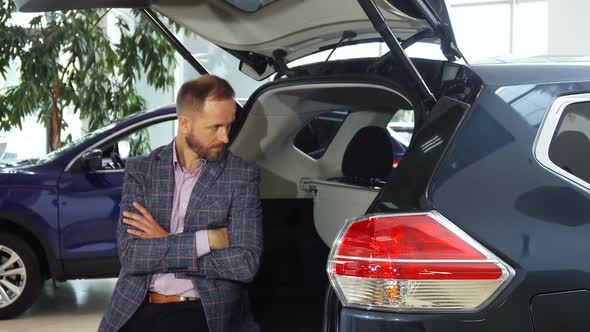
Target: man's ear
[(184, 123)]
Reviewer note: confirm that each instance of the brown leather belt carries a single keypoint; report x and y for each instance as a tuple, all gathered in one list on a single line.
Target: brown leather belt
[(158, 298)]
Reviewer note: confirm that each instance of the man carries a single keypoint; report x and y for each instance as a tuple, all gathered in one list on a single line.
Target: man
[(190, 235)]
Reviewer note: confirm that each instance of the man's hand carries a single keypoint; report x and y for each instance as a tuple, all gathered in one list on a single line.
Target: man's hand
[(218, 238), (147, 226)]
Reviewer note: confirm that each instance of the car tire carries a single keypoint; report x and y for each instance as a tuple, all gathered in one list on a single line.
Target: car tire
[(20, 280)]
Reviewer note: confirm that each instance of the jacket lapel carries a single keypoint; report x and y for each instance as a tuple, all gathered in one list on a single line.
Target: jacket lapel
[(208, 176), (163, 187)]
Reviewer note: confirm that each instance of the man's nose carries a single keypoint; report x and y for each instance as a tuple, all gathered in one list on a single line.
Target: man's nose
[(223, 135)]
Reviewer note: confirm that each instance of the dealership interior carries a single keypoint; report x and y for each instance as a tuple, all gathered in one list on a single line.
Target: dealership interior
[(485, 29)]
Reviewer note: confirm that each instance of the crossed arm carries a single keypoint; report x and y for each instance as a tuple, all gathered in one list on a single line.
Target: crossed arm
[(146, 248), (146, 227)]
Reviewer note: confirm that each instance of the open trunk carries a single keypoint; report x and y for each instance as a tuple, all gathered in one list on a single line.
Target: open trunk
[(307, 200), (307, 196)]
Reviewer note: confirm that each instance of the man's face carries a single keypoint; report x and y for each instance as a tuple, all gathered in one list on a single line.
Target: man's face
[(207, 132)]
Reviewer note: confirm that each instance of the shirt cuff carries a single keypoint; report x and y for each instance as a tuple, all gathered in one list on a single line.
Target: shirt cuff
[(202, 243)]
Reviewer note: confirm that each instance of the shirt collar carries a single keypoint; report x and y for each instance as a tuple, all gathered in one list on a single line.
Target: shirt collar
[(178, 166), (174, 157)]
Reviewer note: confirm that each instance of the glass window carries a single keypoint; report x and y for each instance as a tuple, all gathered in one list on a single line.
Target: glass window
[(146, 140), (400, 128), (3, 145), (570, 146), (317, 135), (250, 5), (139, 142), (424, 50), (69, 146), (482, 29), (531, 32), (217, 62)]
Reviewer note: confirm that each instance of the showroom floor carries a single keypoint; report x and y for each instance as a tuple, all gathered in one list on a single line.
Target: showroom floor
[(72, 306)]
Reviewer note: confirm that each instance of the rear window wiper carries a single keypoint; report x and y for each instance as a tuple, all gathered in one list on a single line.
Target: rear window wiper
[(345, 35)]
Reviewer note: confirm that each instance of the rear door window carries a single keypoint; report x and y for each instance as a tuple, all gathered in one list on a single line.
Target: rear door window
[(401, 126), (569, 148), (401, 129), (315, 138)]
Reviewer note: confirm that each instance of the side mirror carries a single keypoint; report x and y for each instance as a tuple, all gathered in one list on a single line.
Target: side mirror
[(92, 160), (124, 148)]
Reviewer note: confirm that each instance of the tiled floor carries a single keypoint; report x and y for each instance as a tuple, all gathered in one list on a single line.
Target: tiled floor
[(73, 306)]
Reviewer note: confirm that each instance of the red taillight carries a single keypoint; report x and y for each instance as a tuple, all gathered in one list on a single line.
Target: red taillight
[(424, 271), (404, 237), (396, 162), (422, 259)]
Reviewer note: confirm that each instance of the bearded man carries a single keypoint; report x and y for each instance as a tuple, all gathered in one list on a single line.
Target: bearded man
[(190, 234)]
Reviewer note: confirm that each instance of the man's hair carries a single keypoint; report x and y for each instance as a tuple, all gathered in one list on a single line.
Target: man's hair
[(194, 93)]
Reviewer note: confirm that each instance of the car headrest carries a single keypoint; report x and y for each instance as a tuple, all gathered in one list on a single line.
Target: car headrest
[(570, 150), (368, 154)]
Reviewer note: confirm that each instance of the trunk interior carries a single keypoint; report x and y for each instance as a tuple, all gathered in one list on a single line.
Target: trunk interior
[(308, 195), (288, 293)]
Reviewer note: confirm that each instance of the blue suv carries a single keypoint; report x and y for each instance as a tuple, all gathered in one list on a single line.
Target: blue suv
[(58, 214), (482, 226)]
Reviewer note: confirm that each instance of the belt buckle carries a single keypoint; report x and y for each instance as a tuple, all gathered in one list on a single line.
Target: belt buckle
[(182, 299)]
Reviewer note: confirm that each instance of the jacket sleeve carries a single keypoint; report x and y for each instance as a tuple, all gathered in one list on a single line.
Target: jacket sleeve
[(147, 256), (241, 260)]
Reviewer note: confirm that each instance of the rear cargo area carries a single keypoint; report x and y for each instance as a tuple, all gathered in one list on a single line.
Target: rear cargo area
[(308, 195)]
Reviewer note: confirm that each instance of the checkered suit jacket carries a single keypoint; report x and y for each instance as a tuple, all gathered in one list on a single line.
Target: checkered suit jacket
[(225, 195)]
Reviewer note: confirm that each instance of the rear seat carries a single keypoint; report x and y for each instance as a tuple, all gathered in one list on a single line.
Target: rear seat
[(366, 165)]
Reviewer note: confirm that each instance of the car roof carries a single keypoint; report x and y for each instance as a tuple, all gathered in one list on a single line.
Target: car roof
[(539, 59), (533, 70)]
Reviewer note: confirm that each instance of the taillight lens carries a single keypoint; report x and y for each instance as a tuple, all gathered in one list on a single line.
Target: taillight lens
[(413, 262)]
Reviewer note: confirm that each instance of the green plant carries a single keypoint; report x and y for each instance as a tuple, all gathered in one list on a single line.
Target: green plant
[(67, 60)]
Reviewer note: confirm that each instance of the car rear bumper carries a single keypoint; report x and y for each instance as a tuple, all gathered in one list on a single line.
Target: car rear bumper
[(354, 320)]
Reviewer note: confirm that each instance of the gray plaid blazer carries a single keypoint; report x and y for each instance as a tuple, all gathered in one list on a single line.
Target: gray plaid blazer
[(225, 195)]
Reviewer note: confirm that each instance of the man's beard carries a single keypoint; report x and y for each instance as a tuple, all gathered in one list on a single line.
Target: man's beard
[(209, 154)]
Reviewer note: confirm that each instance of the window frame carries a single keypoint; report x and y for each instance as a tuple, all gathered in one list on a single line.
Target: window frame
[(316, 117), (547, 132), (72, 166)]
